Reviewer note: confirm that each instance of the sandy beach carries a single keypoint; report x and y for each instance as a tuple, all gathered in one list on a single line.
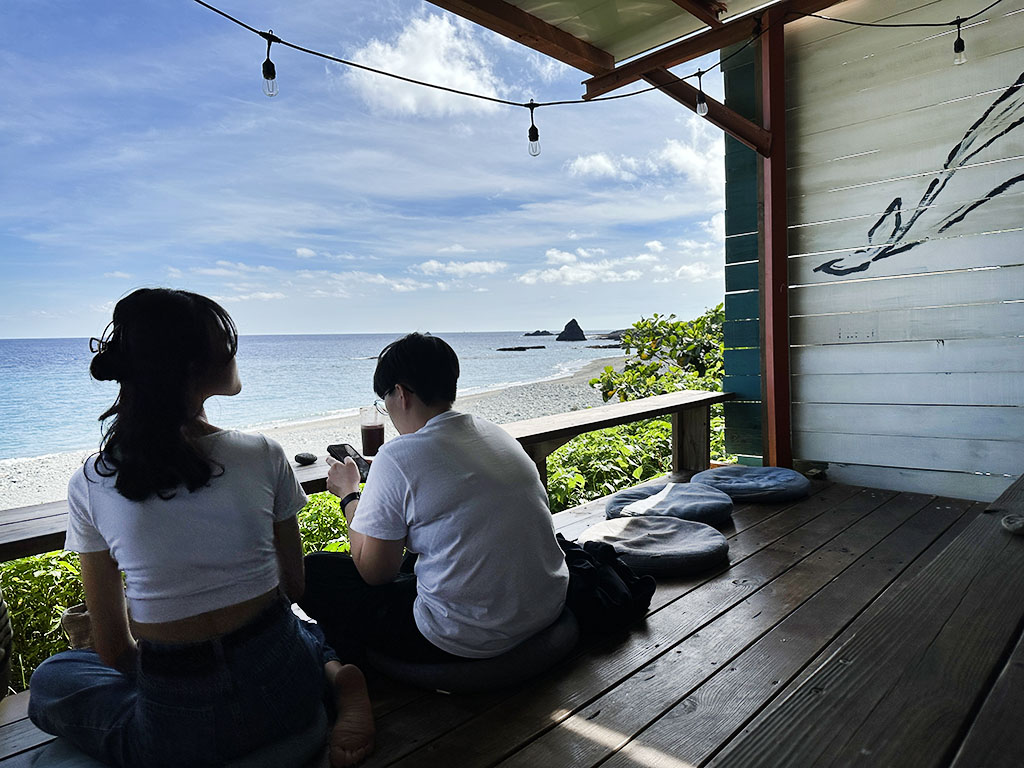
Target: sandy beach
[(44, 478)]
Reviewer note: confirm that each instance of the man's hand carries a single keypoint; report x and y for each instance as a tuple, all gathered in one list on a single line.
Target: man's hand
[(342, 477)]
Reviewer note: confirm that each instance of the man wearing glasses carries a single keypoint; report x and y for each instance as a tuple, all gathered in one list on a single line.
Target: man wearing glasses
[(458, 497)]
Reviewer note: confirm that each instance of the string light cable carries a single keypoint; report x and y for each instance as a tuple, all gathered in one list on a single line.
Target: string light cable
[(270, 87), (959, 47)]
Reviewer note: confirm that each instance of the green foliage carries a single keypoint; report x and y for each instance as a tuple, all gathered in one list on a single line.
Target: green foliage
[(37, 590), (323, 525), (663, 354), (599, 463)]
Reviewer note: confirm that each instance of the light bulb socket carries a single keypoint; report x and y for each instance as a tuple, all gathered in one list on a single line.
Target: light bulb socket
[(533, 134), (269, 70), (959, 47)]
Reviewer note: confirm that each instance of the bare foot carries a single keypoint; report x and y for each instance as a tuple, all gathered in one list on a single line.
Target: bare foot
[(352, 733)]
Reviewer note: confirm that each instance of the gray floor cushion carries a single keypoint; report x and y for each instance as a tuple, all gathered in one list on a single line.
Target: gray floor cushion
[(303, 750), (756, 483), (528, 659), (686, 501), (662, 545)]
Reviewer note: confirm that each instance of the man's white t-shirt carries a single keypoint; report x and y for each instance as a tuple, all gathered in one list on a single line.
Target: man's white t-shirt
[(466, 497), (200, 550)]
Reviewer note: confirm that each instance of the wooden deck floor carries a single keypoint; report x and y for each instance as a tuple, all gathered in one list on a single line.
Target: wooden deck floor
[(856, 627)]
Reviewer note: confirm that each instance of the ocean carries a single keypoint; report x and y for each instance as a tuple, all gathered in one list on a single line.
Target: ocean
[(49, 404)]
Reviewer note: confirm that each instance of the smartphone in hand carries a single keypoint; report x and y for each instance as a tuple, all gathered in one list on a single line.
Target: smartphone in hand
[(342, 450)]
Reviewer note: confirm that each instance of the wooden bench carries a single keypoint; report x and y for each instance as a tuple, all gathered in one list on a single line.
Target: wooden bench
[(857, 626), (40, 528)]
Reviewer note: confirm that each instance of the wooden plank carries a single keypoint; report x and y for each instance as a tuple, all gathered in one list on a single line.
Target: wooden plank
[(838, 237), (574, 423), (730, 33), (966, 321), (488, 736), (809, 32), (932, 356), (921, 663), (704, 718), (508, 20), (993, 741), (22, 736), (995, 249), (659, 687), (942, 453), (965, 485), (910, 292), (932, 421), (865, 99), (997, 388)]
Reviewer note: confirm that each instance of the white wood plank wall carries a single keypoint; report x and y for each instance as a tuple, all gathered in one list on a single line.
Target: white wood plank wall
[(908, 367)]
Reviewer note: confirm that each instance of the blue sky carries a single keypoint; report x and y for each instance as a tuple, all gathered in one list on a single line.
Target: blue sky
[(139, 150)]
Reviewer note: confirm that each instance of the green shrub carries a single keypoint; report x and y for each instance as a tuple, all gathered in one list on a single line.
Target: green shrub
[(663, 355), (38, 589), (322, 525), (599, 463)]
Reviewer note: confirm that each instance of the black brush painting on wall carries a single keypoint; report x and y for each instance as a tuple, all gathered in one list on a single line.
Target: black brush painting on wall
[(902, 233)]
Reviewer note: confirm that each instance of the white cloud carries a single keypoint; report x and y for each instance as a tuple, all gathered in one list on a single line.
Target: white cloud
[(435, 49), (699, 271), (255, 296), (460, 268), (173, 273), (599, 165), (118, 275), (352, 280), (455, 248), (715, 226), (555, 256), (305, 253), (655, 246), (588, 253), (605, 271)]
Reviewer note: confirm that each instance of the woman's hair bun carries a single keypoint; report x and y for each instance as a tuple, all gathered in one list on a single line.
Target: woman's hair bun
[(106, 365)]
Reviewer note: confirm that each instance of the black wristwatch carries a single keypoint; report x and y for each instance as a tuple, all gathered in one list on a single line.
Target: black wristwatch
[(350, 498)]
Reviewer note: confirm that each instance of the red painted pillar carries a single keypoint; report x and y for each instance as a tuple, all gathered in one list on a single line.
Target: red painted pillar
[(778, 449)]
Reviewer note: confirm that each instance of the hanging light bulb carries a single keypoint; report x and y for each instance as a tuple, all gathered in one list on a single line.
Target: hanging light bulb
[(702, 103), (533, 134), (269, 70), (959, 56)]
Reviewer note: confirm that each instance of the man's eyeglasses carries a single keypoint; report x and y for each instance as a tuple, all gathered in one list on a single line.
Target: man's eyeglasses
[(379, 404)]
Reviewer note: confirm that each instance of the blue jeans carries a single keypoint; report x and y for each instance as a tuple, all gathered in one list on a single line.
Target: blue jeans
[(188, 705)]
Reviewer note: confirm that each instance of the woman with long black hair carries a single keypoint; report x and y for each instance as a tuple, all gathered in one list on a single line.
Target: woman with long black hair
[(212, 664)]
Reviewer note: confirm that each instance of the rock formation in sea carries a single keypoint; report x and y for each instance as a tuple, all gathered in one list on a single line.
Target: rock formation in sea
[(571, 332), (538, 333), (518, 349)]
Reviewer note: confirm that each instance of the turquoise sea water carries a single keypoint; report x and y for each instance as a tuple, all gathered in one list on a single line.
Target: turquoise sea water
[(48, 403)]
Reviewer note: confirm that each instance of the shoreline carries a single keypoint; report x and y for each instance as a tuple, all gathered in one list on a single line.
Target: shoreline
[(42, 479)]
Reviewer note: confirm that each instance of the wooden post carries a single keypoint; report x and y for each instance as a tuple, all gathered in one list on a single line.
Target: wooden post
[(691, 441), (778, 450)]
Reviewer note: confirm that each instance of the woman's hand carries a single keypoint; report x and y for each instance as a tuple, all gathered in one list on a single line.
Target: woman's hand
[(342, 477)]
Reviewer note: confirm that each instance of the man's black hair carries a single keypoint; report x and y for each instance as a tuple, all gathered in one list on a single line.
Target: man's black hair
[(422, 363)]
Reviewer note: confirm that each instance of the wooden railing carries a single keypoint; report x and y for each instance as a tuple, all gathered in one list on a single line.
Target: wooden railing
[(40, 528)]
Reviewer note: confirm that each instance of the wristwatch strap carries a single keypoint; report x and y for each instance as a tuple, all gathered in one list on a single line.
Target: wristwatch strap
[(349, 499)]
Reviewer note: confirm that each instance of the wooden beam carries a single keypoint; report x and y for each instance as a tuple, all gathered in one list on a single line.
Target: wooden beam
[(734, 124), (701, 11), (520, 26), (690, 48), (778, 450)]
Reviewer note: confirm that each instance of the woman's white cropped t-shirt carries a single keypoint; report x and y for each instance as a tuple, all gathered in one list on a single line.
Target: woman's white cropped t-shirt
[(197, 551)]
